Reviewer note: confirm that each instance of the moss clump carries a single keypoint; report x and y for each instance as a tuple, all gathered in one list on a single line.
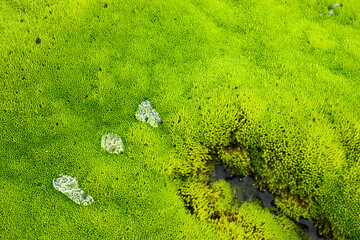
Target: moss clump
[(235, 157), (214, 204)]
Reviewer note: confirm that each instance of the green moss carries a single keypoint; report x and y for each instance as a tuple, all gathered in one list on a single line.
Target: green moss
[(215, 205), (274, 81)]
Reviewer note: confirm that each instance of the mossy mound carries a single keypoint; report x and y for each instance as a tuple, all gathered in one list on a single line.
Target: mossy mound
[(214, 204)]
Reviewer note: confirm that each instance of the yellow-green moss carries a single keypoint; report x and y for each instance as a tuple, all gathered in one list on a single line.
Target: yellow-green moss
[(214, 204), (278, 79)]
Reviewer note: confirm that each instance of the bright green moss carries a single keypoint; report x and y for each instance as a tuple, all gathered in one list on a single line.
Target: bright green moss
[(276, 79)]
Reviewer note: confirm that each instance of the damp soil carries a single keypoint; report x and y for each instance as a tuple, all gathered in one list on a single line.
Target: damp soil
[(244, 191)]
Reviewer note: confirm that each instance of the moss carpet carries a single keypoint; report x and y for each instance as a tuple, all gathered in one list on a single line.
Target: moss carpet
[(266, 87)]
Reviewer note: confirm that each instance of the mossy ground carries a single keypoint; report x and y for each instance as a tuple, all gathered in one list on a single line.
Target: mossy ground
[(279, 79)]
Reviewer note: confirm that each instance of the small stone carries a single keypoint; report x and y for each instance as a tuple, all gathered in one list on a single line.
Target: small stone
[(146, 113), (112, 143), (331, 8), (39, 184), (69, 186)]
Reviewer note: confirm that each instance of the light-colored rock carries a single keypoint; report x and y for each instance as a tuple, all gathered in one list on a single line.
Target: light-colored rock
[(68, 185), (146, 113), (331, 8), (112, 143)]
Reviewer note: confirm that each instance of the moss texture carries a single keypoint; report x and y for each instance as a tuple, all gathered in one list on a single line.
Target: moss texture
[(270, 87)]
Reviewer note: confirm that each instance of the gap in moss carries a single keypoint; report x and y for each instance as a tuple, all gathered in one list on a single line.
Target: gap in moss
[(247, 186)]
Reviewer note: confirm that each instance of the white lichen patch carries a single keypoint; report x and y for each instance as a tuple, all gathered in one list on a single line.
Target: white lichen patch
[(69, 186), (112, 143), (146, 113)]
